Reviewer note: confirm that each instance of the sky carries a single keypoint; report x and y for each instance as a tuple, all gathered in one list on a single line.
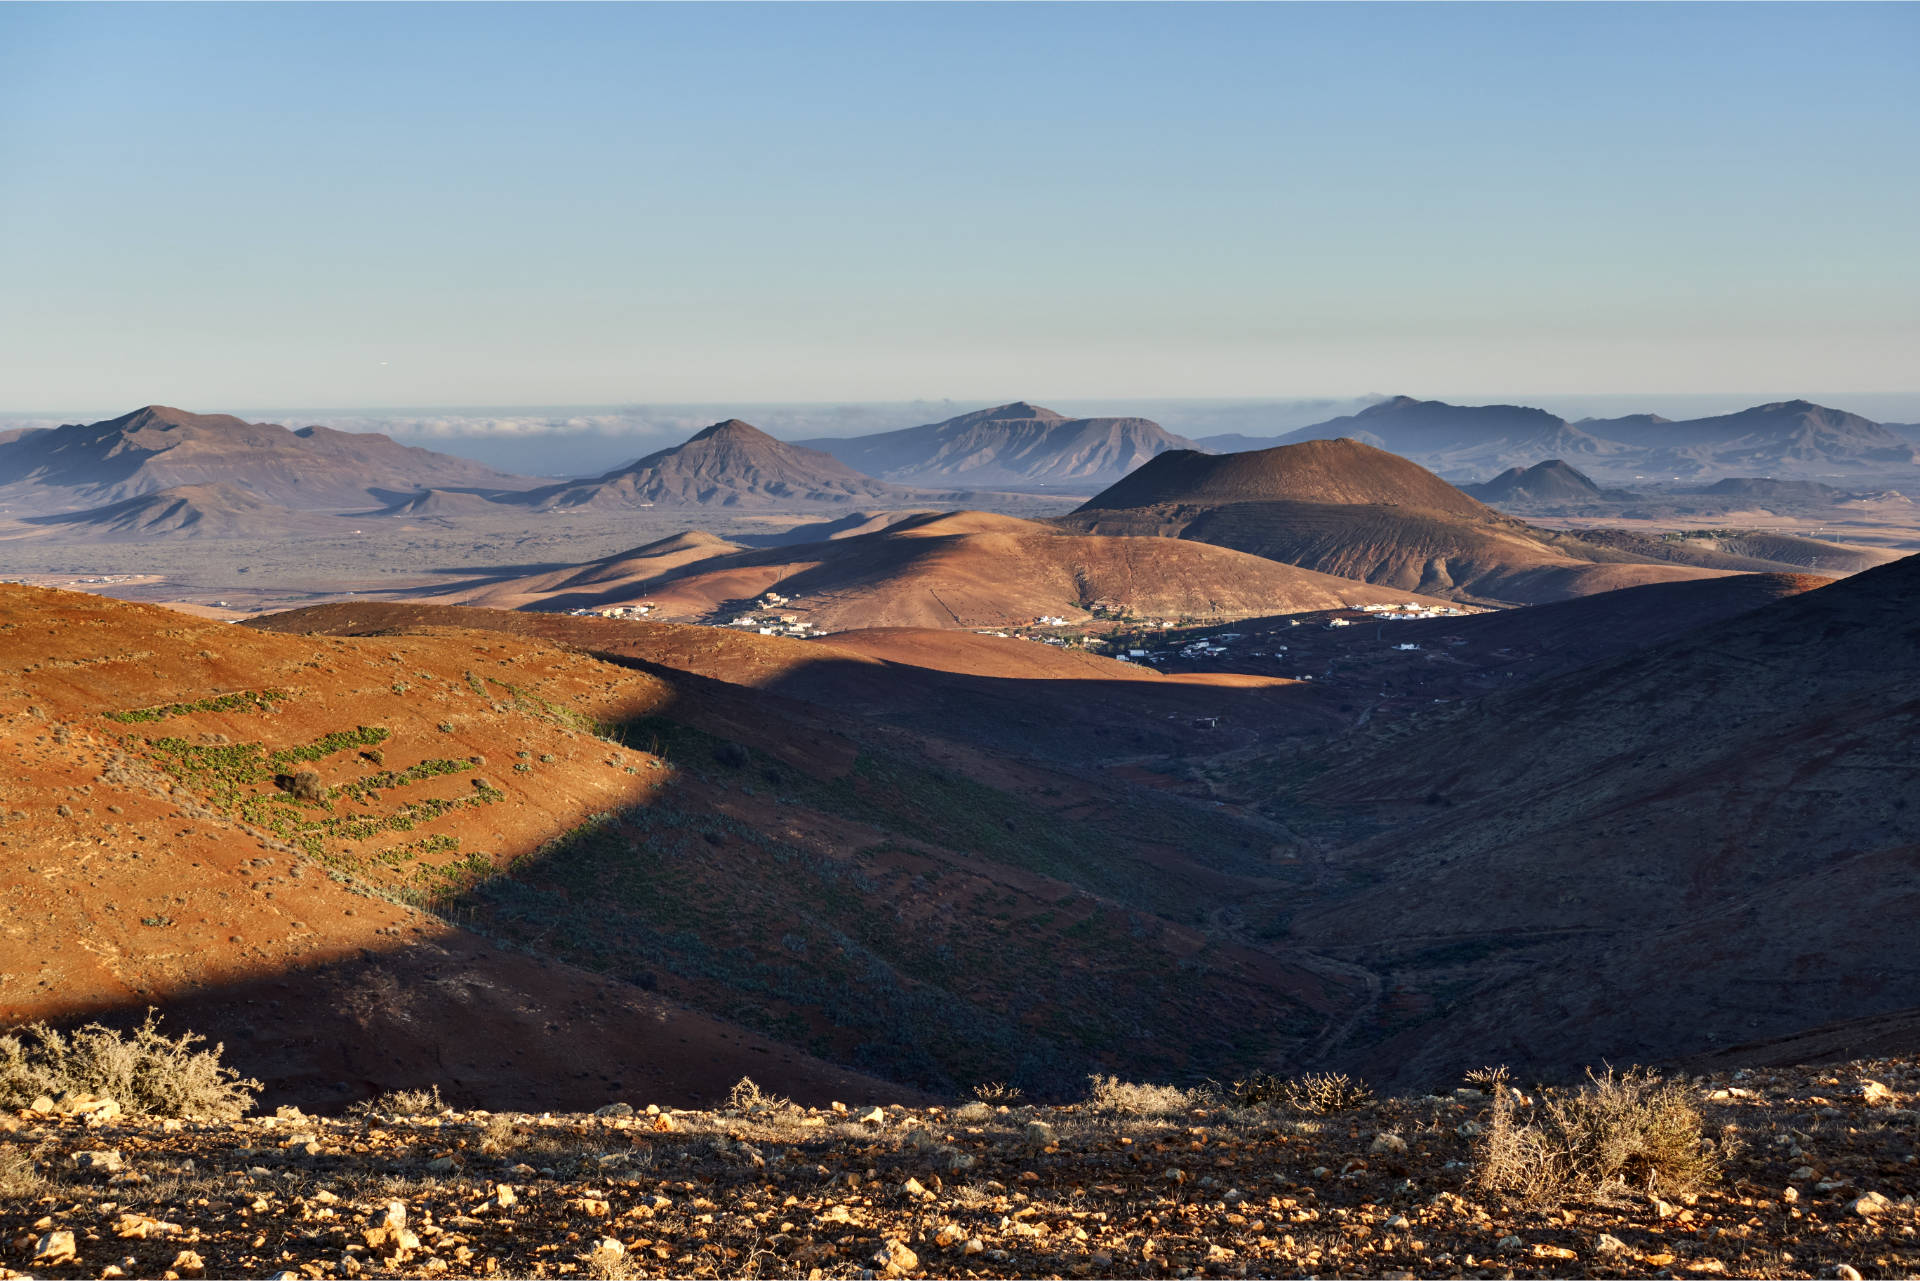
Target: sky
[(350, 205)]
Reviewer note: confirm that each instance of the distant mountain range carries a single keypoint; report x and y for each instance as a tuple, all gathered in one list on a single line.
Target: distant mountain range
[(1795, 437), (1019, 446), (78, 466)]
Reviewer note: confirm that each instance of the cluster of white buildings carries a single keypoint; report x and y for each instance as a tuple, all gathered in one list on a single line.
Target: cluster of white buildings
[(1410, 610), (616, 611), (776, 625)]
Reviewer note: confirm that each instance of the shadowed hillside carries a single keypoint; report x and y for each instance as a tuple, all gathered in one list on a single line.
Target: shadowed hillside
[(1706, 842)]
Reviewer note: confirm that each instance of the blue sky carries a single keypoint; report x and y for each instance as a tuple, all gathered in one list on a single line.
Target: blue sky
[(431, 204)]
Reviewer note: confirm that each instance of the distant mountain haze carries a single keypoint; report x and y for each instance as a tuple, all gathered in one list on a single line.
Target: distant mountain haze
[(159, 447), (1018, 445), (1469, 441)]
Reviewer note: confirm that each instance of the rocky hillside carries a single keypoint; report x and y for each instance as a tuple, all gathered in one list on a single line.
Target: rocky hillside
[(1815, 1178)]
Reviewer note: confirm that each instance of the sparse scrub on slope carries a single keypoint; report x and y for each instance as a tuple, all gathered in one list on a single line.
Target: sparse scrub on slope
[(145, 1071), (1619, 1131)]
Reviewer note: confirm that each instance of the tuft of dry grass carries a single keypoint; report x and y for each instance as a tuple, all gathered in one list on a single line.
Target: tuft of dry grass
[(1128, 1098), (145, 1071), (425, 1102), (1620, 1131), (20, 1178)]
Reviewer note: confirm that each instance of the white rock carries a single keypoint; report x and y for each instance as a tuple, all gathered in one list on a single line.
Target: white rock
[(1870, 1204)]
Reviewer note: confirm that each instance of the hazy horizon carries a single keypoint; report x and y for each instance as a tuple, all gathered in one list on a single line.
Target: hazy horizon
[(573, 440)]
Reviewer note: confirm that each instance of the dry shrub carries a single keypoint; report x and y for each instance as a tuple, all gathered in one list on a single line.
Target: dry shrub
[(973, 1113), (1324, 1093), (745, 1096), (146, 1072), (302, 785), (1111, 1094), (497, 1135), (1619, 1131), (997, 1093), (425, 1102)]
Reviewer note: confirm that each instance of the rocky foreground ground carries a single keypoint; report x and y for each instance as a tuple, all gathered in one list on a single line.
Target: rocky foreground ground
[(1820, 1179)]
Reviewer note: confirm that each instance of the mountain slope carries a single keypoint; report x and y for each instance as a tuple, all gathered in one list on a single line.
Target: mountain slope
[(730, 464), (1009, 445), (191, 511), (1345, 508), (158, 447), (958, 569), (1706, 842)]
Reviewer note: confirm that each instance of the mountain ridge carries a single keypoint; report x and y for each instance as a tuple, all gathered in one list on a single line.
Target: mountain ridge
[(1017, 444)]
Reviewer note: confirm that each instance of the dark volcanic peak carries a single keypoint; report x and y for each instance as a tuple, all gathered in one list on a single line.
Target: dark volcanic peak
[(1551, 481), (729, 464), (1332, 472), (1013, 445), (161, 447)]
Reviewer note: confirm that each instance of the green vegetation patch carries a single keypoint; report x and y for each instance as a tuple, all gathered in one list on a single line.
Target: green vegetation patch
[(244, 701)]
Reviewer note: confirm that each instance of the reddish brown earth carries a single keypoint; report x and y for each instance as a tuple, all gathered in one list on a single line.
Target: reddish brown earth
[(1012, 697), (126, 887), (951, 570), (916, 907)]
